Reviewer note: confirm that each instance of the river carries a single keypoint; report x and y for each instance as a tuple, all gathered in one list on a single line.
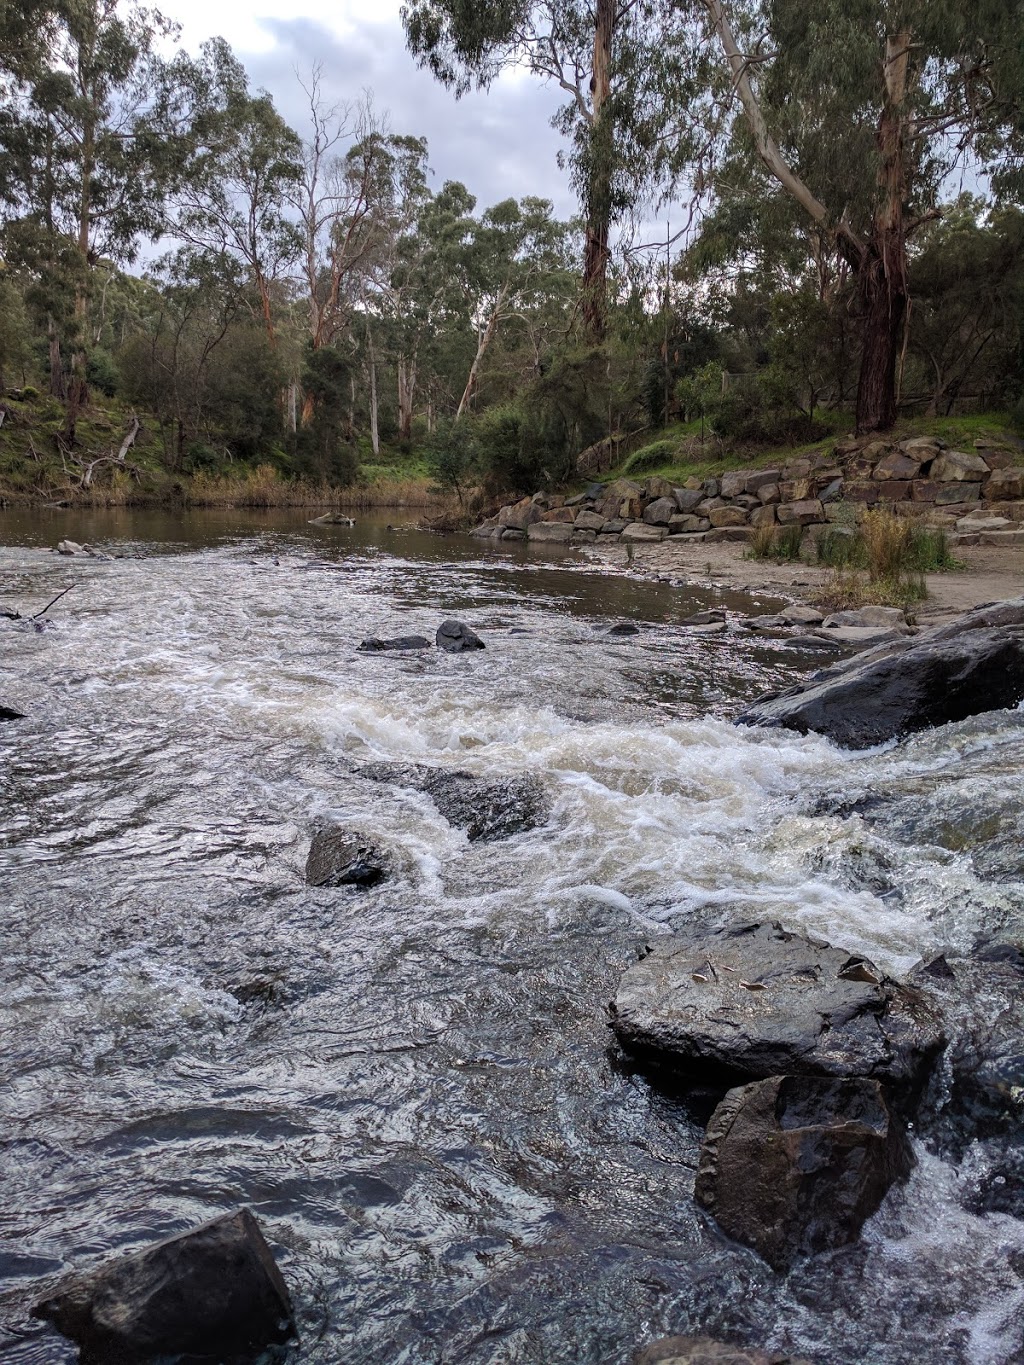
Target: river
[(413, 1086)]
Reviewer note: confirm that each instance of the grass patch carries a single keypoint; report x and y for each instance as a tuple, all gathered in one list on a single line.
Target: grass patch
[(782, 544), (846, 590), (887, 546)]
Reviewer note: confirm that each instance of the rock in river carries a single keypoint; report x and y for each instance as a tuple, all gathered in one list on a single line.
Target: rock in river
[(485, 808), (8, 713), (945, 676), (339, 857), (400, 642), (796, 1164), (456, 636), (757, 1001), (213, 1293)]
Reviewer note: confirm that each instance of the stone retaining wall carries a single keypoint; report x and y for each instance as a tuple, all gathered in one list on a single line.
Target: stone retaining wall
[(978, 496)]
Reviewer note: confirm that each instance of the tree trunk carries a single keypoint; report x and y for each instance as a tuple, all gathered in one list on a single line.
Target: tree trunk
[(484, 340), (374, 421), (406, 392), (882, 266), (599, 177), (57, 389)]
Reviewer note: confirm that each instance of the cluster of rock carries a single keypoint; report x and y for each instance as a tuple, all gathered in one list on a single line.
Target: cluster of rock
[(974, 494), (825, 1055), (454, 637), (486, 808)]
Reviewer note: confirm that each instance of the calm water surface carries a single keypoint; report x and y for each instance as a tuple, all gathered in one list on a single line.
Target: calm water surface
[(412, 1086)]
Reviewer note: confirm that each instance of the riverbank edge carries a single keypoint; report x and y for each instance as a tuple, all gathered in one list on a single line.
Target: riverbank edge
[(991, 574)]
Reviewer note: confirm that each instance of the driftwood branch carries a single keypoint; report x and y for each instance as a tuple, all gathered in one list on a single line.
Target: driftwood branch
[(53, 603)]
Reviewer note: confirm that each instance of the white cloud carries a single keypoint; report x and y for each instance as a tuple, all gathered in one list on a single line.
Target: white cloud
[(500, 143)]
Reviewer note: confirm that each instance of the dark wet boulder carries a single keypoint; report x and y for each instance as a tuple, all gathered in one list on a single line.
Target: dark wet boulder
[(757, 1001), (962, 669), (982, 1004), (399, 642), (8, 713), (794, 1165), (341, 857), (211, 1294), (623, 628), (485, 808), (455, 637), (707, 1351)]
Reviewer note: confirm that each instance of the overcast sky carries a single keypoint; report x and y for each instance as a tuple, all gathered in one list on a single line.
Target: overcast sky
[(499, 143)]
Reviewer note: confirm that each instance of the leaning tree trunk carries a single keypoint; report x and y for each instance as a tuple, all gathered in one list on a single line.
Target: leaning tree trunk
[(882, 266), (599, 177)]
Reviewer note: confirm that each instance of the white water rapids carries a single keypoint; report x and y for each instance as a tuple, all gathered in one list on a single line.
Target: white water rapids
[(413, 1086)]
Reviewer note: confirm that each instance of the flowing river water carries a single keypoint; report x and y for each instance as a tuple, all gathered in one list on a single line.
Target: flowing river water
[(413, 1086)]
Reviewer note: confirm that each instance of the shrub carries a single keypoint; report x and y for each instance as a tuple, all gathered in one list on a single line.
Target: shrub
[(929, 551), (29, 393), (650, 457), (780, 543)]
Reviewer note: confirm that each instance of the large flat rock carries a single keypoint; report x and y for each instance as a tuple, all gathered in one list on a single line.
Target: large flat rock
[(972, 665), (758, 1001)]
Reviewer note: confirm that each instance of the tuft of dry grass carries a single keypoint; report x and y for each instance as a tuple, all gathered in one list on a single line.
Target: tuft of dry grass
[(888, 543)]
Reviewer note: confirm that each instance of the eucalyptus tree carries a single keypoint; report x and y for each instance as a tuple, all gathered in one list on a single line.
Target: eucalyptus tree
[(860, 110), (335, 199), (573, 44), (514, 258), (85, 165), (238, 164)]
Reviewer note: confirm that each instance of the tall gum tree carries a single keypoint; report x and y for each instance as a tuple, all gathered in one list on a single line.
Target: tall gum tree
[(860, 111), (88, 178), (570, 44)]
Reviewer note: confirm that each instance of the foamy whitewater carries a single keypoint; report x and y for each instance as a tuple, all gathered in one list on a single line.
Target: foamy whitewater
[(413, 1086)]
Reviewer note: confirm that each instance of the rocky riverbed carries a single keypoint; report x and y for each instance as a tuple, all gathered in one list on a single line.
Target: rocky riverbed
[(410, 1078)]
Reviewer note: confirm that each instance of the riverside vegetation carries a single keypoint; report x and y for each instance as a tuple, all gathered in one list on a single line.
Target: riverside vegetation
[(202, 303)]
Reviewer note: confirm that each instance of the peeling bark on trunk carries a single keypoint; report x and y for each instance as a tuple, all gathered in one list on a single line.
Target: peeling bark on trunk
[(599, 189)]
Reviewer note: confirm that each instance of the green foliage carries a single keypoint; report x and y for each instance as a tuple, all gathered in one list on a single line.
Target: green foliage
[(322, 449), (650, 457), (102, 372)]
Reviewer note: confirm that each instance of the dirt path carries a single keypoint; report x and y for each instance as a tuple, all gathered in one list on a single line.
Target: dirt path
[(991, 575)]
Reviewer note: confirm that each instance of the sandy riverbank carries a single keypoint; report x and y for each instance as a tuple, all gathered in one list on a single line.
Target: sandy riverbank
[(991, 575)]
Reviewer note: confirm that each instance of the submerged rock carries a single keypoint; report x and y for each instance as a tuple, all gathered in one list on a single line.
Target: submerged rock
[(758, 1001), (793, 1165), (9, 713), (706, 1351), (455, 637), (340, 857), (982, 1000), (946, 676), (399, 642), (332, 519), (213, 1293), (484, 808)]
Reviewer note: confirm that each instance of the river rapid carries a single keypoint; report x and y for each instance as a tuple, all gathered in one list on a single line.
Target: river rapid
[(413, 1086)]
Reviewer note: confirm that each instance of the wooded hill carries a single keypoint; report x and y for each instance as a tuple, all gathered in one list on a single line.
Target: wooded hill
[(190, 286)]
